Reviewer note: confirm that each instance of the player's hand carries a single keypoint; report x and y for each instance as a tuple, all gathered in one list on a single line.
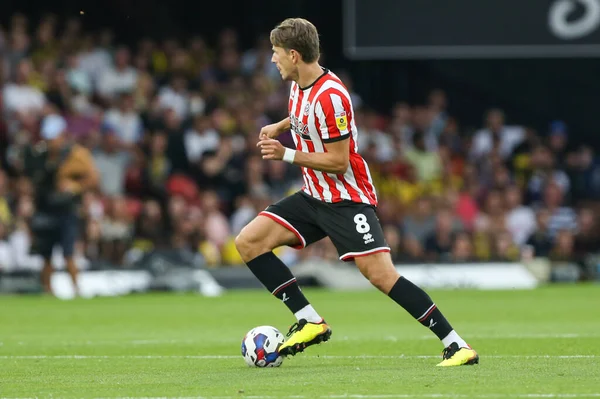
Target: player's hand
[(271, 149), (269, 132), (69, 186)]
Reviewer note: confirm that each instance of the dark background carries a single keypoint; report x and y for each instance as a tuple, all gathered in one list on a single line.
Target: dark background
[(531, 91), (459, 22)]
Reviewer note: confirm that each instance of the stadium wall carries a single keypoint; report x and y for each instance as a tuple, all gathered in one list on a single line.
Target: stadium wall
[(161, 273)]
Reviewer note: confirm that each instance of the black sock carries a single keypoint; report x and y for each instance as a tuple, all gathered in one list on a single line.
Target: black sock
[(416, 302), (279, 280)]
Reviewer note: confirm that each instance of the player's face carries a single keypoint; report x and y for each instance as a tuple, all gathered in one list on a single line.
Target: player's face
[(55, 144), (284, 60)]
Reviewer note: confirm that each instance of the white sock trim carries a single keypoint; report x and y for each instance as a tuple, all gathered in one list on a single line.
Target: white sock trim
[(309, 314), (454, 337)]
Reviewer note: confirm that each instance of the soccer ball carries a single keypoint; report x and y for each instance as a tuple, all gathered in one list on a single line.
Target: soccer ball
[(260, 347)]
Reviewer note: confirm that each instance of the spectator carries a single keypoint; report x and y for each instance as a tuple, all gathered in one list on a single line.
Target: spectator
[(125, 121), (394, 240), (585, 172), (427, 164), (158, 167), (563, 247), (401, 126), (20, 97), (520, 219), (216, 227), (507, 137), (151, 228), (370, 134), (112, 163), (493, 217), (438, 245), (121, 78), (244, 212), (558, 141), (175, 96), (6, 255), (541, 240), (200, 139), (504, 248), (466, 207), (587, 238), (544, 172), (116, 231), (462, 248), (561, 217), (96, 60), (77, 77), (421, 223), (438, 104)]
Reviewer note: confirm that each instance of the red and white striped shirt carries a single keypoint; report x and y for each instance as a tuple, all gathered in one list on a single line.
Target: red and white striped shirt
[(319, 114)]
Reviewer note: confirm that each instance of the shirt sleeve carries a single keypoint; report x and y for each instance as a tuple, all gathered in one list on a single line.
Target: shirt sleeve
[(333, 115)]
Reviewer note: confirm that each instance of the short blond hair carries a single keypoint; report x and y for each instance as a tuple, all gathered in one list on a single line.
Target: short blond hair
[(297, 34)]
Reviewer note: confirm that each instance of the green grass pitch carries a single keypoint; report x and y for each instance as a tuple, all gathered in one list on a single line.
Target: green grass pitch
[(543, 343)]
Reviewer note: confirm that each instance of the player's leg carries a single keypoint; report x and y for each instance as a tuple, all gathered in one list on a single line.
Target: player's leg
[(358, 236), (287, 222), (46, 276), (380, 271), (69, 233), (256, 243), (42, 244)]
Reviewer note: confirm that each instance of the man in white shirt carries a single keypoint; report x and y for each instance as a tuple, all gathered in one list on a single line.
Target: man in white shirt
[(125, 121), (119, 79), (19, 97), (112, 163), (508, 137), (520, 219), (200, 138), (175, 96)]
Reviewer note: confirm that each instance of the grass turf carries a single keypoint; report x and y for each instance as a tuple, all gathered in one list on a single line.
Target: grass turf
[(532, 344)]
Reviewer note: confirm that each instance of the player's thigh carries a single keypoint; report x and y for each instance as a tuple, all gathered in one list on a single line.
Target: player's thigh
[(357, 234), (291, 221), (264, 232), (43, 242), (69, 234), (353, 228)]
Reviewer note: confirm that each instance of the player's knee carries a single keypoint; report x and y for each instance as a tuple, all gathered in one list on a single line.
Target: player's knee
[(380, 273), (250, 246), (381, 280)]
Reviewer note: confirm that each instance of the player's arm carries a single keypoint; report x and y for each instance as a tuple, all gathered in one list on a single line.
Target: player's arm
[(332, 109), (335, 160), (79, 171), (275, 129)]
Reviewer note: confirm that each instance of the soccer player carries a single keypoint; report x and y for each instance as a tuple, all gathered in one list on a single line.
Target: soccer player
[(338, 200), (61, 173)]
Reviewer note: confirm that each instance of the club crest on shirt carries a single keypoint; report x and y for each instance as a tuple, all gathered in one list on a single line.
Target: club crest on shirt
[(306, 109), (341, 121), (298, 126)]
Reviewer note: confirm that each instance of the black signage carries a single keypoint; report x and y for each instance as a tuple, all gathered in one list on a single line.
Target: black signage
[(411, 29)]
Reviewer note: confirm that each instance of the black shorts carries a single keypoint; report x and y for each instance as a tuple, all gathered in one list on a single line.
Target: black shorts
[(353, 227), (60, 230)]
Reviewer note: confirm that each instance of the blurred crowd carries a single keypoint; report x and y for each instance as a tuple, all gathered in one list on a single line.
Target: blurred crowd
[(173, 125)]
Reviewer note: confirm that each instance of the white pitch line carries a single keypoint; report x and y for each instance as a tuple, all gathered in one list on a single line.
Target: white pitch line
[(381, 396), (389, 338), (524, 336), (84, 357)]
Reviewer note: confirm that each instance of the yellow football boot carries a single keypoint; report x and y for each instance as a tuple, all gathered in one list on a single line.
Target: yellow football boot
[(455, 356), (304, 334)]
